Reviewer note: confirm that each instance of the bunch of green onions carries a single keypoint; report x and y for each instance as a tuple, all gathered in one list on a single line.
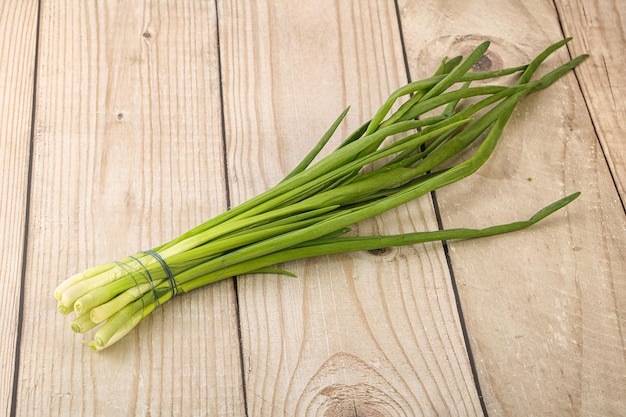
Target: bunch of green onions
[(394, 158)]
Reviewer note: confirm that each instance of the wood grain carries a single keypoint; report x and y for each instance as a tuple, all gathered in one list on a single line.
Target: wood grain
[(18, 24), (353, 335), (544, 308), (128, 153), (598, 29)]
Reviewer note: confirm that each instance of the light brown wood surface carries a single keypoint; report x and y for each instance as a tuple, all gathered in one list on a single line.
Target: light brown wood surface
[(544, 311), (598, 26), (127, 153), (358, 334), (150, 117)]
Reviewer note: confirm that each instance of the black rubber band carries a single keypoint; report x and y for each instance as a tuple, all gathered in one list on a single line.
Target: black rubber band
[(150, 280), (166, 268)]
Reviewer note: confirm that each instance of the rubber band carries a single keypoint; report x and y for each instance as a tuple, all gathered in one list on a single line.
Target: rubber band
[(166, 268), (149, 279), (131, 273)]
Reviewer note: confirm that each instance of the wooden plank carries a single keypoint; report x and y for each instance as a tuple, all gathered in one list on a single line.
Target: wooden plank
[(128, 153), (545, 308), (18, 24), (354, 335), (598, 29)]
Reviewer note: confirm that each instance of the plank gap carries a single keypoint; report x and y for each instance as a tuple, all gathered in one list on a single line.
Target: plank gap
[(228, 203), (459, 307), (27, 201)]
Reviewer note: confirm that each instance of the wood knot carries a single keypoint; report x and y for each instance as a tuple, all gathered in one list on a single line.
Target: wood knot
[(353, 400), (347, 386), (483, 64), (501, 53)]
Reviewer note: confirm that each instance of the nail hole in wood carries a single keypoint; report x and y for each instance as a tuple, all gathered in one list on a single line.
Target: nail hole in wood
[(379, 252)]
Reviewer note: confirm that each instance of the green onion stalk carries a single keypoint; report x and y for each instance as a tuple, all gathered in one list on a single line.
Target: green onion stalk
[(409, 148)]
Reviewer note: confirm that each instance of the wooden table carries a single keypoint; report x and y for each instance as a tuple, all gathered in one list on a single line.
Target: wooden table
[(123, 124)]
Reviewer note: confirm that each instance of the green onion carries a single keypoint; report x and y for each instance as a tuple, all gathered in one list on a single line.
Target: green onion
[(390, 160)]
